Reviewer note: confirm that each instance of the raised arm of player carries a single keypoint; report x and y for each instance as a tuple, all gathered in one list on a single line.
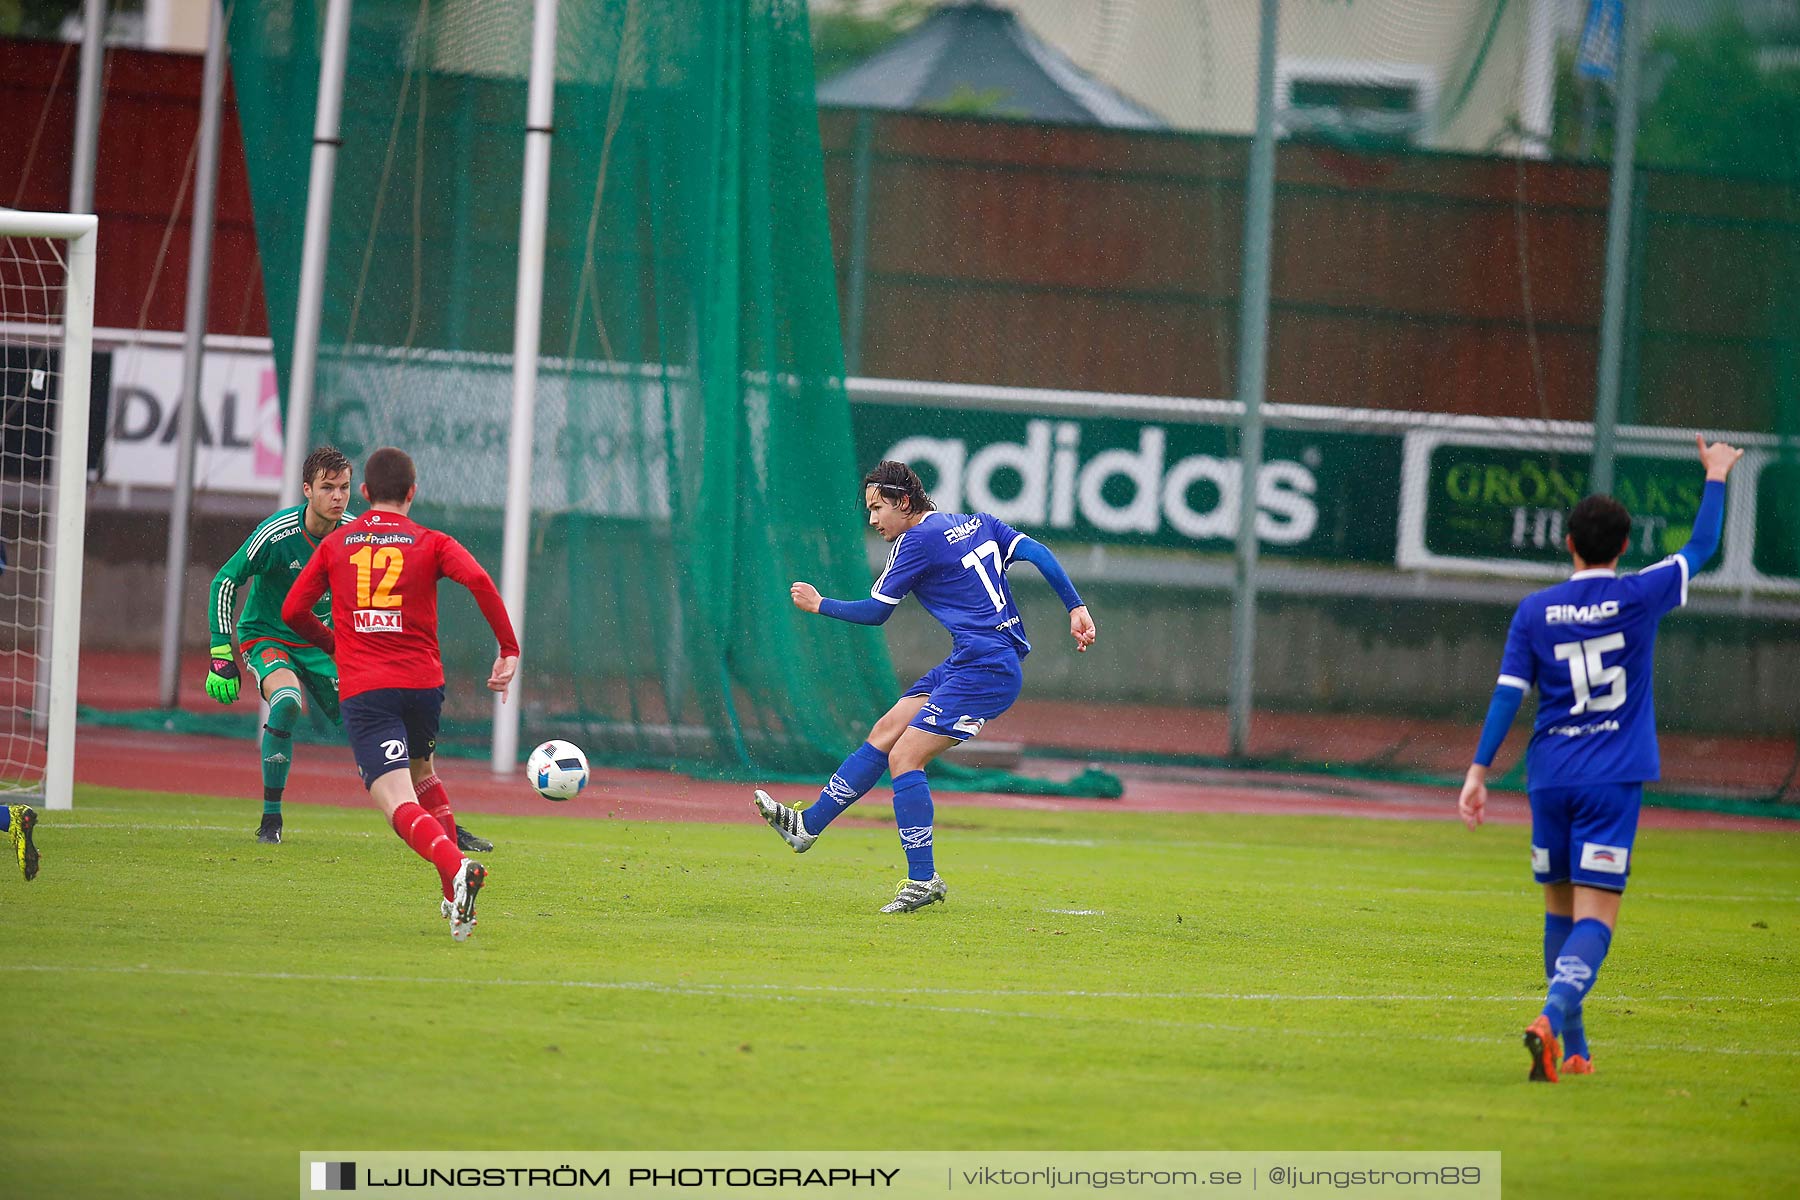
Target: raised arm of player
[(1709, 521), (297, 608), (458, 564), (222, 677), (1081, 623)]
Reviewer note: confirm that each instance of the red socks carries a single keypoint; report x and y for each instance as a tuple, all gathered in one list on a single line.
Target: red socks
[(436, 801), (420, 830)]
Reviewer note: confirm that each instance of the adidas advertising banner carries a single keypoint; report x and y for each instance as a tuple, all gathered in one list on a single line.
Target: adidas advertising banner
[(907, 1175), (1172, 484)]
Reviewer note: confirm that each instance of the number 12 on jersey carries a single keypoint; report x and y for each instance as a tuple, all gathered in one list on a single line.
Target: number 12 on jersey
[(390, 562)]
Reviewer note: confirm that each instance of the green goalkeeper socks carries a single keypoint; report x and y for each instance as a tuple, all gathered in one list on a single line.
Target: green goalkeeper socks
[(278, 745)]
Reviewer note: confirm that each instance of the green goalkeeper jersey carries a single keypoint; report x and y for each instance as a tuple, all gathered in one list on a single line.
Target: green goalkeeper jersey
[(270, 560)]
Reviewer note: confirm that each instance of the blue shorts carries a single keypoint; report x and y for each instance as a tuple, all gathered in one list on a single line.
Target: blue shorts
[(387, 726), (962, 695), (1583, 835)]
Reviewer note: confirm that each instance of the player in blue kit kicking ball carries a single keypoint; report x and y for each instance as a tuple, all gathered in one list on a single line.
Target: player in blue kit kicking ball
[(1588, 645), (956, 565)]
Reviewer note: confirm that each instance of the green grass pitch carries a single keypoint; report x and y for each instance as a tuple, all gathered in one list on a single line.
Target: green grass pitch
[(187, 1010)]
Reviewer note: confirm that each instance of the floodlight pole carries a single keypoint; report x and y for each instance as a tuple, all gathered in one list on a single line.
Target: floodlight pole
[(1537, 98), (1618, 251), (528, 304), (1252, 362), (87, 106), (862, 159), (193, 347), (327, 120), (81, 201)]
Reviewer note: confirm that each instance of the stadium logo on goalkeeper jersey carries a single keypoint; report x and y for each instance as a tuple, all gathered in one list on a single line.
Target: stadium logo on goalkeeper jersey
[(1197, 496), (378, 620)]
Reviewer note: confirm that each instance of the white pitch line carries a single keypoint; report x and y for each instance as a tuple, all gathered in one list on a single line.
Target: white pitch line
[(719, 988), (1359, 889), (784, 996)]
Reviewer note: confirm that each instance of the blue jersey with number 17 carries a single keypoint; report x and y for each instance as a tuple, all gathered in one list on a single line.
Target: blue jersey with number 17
[(1588, 645), (955, 563)]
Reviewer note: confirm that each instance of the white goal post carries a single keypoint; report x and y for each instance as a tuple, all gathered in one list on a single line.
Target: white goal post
[(47, 336)]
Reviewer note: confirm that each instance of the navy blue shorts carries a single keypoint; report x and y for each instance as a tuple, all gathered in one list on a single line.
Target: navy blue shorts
[(387, 726), (1584, 835), (962, 696)]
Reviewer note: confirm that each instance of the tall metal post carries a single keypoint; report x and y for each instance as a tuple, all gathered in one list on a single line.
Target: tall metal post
[(1618, 251), (87, 106), (193, 346), (326, 122), (862, 160), (1252, 362), (528, 311), (67, 524)]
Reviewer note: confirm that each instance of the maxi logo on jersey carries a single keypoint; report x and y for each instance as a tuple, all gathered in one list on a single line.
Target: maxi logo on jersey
[(379, 620)]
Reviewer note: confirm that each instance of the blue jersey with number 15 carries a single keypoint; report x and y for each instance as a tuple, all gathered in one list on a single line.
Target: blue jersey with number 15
[(1588, 645), (955, 563)]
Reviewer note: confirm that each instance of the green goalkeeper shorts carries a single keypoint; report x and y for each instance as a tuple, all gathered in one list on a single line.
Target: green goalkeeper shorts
[(315, 669)]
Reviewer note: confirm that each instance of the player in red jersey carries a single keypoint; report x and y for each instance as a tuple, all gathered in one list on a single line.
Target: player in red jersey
[(382, 571)]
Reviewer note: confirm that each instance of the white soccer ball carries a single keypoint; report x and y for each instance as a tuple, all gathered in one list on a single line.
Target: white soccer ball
[(558, 770)]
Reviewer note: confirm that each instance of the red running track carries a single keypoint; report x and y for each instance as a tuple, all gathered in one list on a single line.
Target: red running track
[(325, 774), (1754, 766)]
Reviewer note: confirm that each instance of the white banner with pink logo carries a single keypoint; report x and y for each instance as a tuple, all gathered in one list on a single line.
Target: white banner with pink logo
[(238, 448)]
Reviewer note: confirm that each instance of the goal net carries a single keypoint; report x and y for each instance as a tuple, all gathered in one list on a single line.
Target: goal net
[(46, 351)]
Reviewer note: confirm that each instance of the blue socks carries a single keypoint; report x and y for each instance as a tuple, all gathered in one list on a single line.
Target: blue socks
[(1556, 932), (1574, 1038), (912, 812), (1573, 971), (5, 818), (912, 805), (860, 772)]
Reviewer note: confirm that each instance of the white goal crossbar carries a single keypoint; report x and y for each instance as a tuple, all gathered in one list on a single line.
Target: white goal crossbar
[(59, 602)]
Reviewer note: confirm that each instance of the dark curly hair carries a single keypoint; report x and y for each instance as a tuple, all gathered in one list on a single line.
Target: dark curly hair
[(899, 482), (324, 460)]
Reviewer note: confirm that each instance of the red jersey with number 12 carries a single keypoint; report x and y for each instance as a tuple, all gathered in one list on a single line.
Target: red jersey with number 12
[(382, 571)]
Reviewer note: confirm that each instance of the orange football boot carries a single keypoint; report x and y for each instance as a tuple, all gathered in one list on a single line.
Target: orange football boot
[(1545, 1052)]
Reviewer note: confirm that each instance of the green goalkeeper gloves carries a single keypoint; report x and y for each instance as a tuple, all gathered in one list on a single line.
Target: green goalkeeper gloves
[(222, 681)]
